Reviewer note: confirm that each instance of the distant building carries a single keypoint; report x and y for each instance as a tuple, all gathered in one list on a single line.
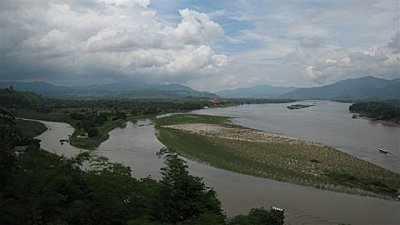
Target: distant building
[(215, 101)]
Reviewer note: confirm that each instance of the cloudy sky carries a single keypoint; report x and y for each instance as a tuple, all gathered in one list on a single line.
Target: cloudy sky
[(208, 45)]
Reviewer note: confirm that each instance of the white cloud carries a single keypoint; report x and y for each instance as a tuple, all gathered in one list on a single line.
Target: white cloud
[(229, 81), (249, 36), (378, 61), (312, 43), (308, 30), (122, 36), (291, 43), (196, 28), (394, 43), (127, 3)]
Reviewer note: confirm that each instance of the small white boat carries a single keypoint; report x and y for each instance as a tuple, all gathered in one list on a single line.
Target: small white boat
[(274, 208), (381, 150)]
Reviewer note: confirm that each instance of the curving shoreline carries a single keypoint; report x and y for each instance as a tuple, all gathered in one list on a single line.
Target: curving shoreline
[(237, 192), (328, 123), (273, 156)]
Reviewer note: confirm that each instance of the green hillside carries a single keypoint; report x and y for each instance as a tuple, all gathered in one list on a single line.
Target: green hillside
[(9, 97), (361, 89)]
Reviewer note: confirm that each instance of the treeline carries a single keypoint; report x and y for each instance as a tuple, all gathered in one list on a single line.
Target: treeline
[(93, 119), (40, 188), (378, 110), (243, 101), (28, 100)]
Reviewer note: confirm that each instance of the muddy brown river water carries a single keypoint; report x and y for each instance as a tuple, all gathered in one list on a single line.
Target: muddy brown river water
[(136, 146), (328, 123)]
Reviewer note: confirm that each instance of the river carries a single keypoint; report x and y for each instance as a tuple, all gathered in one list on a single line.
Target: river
[(327, 122), (136, 146)]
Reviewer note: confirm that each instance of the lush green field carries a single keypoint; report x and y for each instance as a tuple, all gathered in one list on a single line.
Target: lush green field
[(273, 156), (191, 118)]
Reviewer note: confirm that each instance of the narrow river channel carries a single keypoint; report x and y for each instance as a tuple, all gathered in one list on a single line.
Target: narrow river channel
[(136, 146)]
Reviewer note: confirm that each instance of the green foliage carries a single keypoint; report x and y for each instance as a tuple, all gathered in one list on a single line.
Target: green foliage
[(367, 183), (9, 133), (47, 189), (186, 196), (92, 132), (298, 106), (378, 110), (259, 216), (30, 129), (12, 98), (102, 115), (40, 188), (100, 134)]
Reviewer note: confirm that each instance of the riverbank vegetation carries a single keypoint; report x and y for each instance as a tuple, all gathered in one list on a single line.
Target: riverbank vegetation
[(388, 111), (41, 188), (299, 106), (216, 141), (93, 119), (30, 129)]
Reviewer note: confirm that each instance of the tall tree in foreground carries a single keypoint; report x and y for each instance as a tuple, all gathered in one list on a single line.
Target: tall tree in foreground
[(185, 197)]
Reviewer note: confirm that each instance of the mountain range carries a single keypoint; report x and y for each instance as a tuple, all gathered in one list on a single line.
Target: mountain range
[(360, 89), (260, 91), (114, 90)]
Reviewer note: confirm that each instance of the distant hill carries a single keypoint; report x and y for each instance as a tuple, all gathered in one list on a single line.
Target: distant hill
[(115, 90), (167, 91), (261, 91), (365, 88), (11, 98)]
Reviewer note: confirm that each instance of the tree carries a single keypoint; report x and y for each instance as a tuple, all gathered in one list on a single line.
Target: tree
[(92, 132), (259, 216), (184, 196)]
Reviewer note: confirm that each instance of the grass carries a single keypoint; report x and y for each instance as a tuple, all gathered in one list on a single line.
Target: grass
[(94, 142), (30, 129), (189, 118), (222, 144)]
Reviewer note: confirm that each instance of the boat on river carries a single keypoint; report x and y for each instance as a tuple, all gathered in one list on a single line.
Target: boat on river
[(381, 150), (64, 140), (276, 209)]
